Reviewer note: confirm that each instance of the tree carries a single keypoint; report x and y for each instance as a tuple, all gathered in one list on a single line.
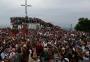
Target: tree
[(83, 25)]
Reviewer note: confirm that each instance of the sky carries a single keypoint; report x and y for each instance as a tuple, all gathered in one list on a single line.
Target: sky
[(59, 12)]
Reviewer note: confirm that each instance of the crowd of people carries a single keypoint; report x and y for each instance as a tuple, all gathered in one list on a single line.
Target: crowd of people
[(49, 44)]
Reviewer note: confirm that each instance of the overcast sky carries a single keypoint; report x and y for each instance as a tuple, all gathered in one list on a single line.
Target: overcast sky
[(58, 12)]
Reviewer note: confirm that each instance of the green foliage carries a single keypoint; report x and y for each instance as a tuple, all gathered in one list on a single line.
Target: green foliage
[(83, 25)]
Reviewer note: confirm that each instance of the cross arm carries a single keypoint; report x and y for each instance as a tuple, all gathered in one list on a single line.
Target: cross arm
[(26, 5)]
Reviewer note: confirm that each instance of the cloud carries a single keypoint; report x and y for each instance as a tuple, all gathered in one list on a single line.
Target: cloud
[(59, 12)]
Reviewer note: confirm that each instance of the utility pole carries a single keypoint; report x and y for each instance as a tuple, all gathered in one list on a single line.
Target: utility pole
[(26, 7), (71, 27)]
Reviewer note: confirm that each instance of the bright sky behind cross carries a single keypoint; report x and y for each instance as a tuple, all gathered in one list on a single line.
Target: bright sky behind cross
[(58, 12)]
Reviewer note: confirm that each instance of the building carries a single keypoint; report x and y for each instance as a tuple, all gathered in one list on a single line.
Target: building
[(30, 23)]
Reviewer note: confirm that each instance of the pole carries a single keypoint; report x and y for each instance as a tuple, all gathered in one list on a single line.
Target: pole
[(71, 27), (26, 7)]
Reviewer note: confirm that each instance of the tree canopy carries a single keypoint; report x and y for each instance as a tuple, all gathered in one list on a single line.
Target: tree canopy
[(83, 25)]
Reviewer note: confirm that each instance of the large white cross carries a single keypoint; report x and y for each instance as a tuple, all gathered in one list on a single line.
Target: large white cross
[(26, 6)]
